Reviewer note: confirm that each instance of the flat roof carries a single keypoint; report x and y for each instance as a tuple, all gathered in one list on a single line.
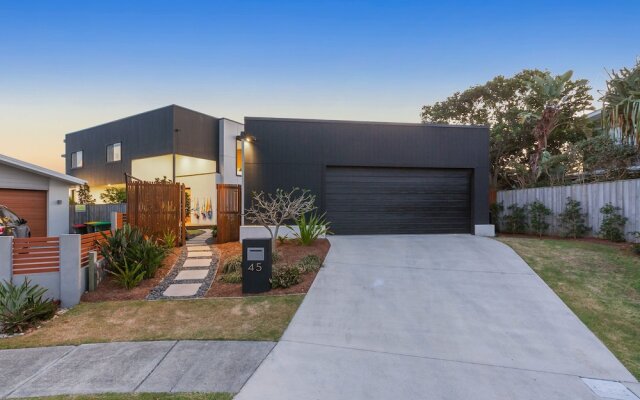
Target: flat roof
[(38, 170), (362, 122)]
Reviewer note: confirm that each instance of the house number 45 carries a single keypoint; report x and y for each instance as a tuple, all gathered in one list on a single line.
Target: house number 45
[(257, 267)]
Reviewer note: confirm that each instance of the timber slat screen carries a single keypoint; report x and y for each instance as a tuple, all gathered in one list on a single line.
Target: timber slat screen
[(91, 242), (228, 213), (36, 255), (156, 207)]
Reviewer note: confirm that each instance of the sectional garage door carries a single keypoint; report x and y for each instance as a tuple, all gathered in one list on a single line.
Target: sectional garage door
[(30, 205), (363, 201)]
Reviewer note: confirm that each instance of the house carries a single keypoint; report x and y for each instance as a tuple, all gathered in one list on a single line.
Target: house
[(372, 177), (37, 194), (173, 142)]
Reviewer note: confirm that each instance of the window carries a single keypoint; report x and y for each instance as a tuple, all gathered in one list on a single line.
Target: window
[(238, 157), (76, 159), (114, 152)]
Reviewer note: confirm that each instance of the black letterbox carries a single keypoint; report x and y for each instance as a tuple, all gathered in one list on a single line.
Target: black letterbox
[(256, 265)]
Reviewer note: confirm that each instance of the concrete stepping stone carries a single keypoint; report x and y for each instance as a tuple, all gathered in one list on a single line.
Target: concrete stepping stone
[(199, 248), (196, 262), (182, 290), (192, 275), (193, 254)]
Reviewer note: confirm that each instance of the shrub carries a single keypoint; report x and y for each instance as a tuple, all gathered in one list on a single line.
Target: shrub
[(214, 231), (282, 239), (538, 213), (128, 275), (232, 265), (573, 221), (516, 220), (636, 246), (149, 254), (22, 306), (169, 239), (232, 277), (285, 276), (129, 246), (275, 257), (496, 210), (309, 230), (309, 263), (612, 227)]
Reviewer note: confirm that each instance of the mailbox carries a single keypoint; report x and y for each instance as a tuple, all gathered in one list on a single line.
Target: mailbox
[(256, 265)]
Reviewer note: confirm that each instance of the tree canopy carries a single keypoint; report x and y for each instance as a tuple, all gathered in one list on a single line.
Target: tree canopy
[(501, 103)]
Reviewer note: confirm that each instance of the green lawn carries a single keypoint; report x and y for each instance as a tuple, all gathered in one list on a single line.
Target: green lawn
[(250, 318), (599, 282), (141, 396)]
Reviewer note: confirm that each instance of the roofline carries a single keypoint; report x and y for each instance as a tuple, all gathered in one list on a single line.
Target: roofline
[(137, 115), (232, 120), (361, 122), (36, 169)]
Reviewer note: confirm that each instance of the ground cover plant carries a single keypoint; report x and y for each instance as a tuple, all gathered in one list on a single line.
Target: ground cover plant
[(23, 306), (600, 282)]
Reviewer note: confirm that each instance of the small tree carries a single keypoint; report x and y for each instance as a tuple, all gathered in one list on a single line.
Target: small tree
[(613, 222), (84, 195), (496, 210), (114, 195), (516, 220), (539, 213), (274, 210), (573, 221)]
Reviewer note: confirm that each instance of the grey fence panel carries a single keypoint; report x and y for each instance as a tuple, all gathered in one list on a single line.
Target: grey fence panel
[(94, 212), (592, 196)]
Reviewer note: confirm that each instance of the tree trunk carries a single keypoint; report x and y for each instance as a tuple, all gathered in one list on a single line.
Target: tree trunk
[(274, 237)]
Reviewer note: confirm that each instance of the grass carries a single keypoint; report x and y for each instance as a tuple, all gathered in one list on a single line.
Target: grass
[(599, 282), (141, 396), (250, 318)]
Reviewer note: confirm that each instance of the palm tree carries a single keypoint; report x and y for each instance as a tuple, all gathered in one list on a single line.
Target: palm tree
[(550, 89), (621, 104)]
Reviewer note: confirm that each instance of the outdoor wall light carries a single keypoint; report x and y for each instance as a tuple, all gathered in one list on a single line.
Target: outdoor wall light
[(246, 137)]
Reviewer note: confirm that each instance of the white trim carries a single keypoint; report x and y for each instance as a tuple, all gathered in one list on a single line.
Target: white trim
[(25, 166)]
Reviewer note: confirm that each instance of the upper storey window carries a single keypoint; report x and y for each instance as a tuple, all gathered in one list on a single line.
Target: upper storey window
[(76, 159), (114, 152)]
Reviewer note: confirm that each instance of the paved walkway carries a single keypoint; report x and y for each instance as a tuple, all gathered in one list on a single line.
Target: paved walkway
[(435, 317), (166, 366), (193, 274)]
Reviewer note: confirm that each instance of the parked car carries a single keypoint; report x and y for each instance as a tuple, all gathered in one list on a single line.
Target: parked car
[(12, 225)]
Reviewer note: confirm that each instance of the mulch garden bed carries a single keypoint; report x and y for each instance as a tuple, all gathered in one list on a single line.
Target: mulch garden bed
[(290, 253), (109, 289)]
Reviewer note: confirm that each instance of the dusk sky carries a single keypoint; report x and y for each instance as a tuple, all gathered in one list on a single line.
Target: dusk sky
[(67, 65)]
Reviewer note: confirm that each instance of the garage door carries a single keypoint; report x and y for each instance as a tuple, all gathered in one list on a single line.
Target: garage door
[(397, 200), (30, 205)]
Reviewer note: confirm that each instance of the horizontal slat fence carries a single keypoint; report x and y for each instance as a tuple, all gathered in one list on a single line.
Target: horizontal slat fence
[(95, 212), (592, 196), (36, 255), (91, 242)]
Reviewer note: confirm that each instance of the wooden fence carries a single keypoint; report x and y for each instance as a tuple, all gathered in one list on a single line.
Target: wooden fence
[(36, 255), (156, 207), (228, 212), (592, 196), (94, 212), (91, 242)]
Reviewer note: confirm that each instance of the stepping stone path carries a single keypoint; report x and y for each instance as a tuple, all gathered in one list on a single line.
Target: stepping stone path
[(193, 273)]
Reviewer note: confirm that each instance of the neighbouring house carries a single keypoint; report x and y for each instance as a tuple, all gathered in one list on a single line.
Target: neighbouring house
[(186, 146), (372, 177), (37, 194)]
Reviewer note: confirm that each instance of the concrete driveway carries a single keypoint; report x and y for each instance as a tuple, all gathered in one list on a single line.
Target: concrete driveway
[(434, 317)]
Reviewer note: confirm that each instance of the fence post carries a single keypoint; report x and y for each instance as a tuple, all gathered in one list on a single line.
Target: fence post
[(114, 222), (6, 258), (92, 268), (70, 271)]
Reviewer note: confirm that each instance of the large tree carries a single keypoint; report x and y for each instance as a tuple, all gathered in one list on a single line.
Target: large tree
[(621, 104), (500, 104)]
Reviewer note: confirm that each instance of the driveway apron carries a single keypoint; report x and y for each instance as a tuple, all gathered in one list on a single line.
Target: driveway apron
[(432, 317)]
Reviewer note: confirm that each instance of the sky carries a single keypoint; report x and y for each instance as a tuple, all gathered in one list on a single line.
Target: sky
[(69, 65)]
